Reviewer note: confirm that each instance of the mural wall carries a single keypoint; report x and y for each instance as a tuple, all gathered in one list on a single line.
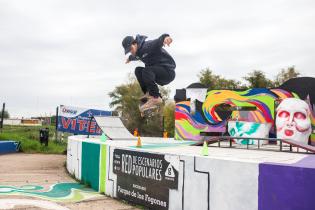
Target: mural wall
[(202, 183), (188, 126), (208, 119), (212, 114)]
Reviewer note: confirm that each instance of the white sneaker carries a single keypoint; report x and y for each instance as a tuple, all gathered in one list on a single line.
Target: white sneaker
[(146, 95), (152, 103)]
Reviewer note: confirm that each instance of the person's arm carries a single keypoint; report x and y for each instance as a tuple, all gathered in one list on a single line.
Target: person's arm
[(131, 58), (158, 43)]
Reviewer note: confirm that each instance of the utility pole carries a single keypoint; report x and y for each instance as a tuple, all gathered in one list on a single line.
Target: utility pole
[(56, 131), (2, 117)]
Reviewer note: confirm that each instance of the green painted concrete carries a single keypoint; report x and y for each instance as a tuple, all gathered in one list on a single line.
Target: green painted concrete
[(90, 164), (103, 169)]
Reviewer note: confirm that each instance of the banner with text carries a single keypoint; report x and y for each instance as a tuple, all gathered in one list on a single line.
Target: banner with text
[(145, 178), (78, 120)]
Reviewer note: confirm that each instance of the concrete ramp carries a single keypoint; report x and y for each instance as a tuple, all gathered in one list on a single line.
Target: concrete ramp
[(113, 127), (9, 146)]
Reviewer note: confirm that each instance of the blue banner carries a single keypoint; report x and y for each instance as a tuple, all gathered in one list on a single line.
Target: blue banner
[(78, 120)]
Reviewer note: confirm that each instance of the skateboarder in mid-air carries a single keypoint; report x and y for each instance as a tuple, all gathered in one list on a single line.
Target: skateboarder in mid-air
[(159, 66)]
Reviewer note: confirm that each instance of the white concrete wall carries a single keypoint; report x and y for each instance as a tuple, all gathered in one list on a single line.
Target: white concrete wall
[(12, 122), (111, 178), (74, 155), (232, 184), (204, 182)]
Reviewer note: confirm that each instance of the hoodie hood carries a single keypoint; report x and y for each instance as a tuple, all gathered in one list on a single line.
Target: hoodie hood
[(140, 40)]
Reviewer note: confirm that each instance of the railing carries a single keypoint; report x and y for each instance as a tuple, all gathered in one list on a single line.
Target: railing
[(211, 138)]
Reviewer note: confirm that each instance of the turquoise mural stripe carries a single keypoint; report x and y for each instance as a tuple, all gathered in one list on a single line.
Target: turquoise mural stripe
[(90, 164), (58, 192)]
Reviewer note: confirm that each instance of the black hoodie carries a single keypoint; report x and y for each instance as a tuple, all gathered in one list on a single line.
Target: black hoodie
[(152, 53)]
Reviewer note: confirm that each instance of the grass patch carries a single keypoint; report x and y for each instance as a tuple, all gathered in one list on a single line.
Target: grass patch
[(29, 138)]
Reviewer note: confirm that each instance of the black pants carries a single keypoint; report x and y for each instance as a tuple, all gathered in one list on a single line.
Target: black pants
[(151, 76)]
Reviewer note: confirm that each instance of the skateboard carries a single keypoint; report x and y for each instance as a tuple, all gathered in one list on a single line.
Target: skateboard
[(150, 112)]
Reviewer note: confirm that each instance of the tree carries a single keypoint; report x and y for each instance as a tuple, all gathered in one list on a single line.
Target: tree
[(125, 100), (258, 79), (286, 74), (169, 118), (6, 114), (213, 81)]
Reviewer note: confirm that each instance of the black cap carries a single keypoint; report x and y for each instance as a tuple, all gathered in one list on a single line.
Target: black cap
[(127, 42)]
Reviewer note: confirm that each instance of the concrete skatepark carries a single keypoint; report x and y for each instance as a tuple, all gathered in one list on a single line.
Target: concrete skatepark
[(226, 179), (258, 152)]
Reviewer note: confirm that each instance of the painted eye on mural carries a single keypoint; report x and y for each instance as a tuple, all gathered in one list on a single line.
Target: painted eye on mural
[(284, 114), (299, 115)]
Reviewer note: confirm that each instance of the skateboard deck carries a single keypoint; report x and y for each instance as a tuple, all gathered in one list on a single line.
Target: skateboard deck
[(150, 112)]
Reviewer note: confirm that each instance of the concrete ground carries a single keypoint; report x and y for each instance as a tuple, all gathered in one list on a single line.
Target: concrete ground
[(17, 170)]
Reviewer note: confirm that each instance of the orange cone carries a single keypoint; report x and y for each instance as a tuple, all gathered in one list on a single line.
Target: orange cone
[(165, 135), (135, 132), (139, 144)]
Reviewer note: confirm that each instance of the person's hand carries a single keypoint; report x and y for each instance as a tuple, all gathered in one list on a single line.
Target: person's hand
[(127, 61), (167, 41)]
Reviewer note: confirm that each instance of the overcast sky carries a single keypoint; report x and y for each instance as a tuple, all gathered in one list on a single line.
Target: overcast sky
[(69, 52)]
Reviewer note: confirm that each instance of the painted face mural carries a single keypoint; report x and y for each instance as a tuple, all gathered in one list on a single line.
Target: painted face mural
[(293, 120)]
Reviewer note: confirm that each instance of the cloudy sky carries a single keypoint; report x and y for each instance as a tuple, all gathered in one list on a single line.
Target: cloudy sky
[(69, 51)]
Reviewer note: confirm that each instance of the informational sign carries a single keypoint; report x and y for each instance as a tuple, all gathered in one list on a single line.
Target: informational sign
[(79, 120), (145, 178)]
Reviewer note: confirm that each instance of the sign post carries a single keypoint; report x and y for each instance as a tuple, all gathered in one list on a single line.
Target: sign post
[(2, 116), (56, 123)]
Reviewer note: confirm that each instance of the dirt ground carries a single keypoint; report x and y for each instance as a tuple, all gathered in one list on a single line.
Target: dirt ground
[(21, 169)]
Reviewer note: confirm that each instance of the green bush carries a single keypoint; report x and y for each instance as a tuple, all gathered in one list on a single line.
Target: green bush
[(29, 139)]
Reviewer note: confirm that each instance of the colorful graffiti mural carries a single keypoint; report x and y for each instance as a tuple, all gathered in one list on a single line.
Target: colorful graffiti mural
[(260, 98), (189, 126), (219, 106), (208, 119), (61, 192)]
